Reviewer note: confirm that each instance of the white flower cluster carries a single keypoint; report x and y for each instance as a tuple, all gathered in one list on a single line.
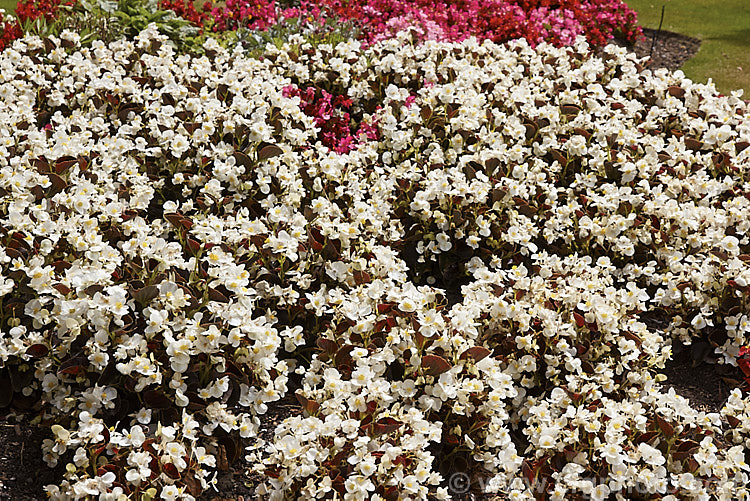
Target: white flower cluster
[(177, 239)]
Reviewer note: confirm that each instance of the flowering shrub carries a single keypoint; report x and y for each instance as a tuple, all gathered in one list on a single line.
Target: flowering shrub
[(476, 257)]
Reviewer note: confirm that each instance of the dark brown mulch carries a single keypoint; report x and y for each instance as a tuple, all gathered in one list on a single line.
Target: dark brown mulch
[(237, 484), (667, 50), (23, 473), (706, 385)]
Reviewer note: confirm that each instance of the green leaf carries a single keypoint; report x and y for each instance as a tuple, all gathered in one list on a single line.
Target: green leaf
[(108, 6)]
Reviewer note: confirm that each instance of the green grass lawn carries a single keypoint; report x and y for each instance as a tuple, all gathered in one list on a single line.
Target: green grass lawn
[(8, 5), (724, 29)]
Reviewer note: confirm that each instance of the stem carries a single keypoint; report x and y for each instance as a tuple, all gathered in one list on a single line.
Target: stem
[(653, 40)]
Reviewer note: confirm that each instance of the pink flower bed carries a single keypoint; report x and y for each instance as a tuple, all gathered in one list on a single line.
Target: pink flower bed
[(252, 14), (558, 22)]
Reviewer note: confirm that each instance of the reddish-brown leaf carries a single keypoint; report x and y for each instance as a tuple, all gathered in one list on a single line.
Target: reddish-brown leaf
[(664, 426), (386, 425), (646, 437), (310, 406), (327, 345), (676, 91), (269, 151), (170, 470), (145, 294), (385, 307), (243, 159), (693, 144), (733, 421), (37, 350), (64, 163), (570, 110), (174, 218), (193, 245), (435, 364), (157, 399), (73, 366), (580, 321), (217, 296), (425, 113), (477, 353), (58, 183)]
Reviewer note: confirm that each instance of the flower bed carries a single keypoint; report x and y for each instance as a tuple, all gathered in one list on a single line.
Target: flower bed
[(558, 22), (462, 250)]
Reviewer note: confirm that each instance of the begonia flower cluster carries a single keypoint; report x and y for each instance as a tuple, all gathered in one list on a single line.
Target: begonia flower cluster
[(558, 22), (499, 20), (9, 29), (484, 275)]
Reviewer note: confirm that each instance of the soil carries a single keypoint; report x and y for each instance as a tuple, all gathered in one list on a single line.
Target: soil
[(23, 473), (667, 50)]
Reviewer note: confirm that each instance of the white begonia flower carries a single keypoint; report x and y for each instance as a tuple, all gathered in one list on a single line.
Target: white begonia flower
[(367, 467), (203, 457), (611, 452), (411, 484), (290, 447), (735, 454), (80, 458), (140, 463), (668, 203), (699, 322), (170, 493), (730, 244), (174, 452), (135, 437), (651, 455), (143, 416), (547, 441), (444, 242)]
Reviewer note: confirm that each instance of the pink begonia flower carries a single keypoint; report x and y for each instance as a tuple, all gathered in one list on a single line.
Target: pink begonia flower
[(558, 22), (332, 118)]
